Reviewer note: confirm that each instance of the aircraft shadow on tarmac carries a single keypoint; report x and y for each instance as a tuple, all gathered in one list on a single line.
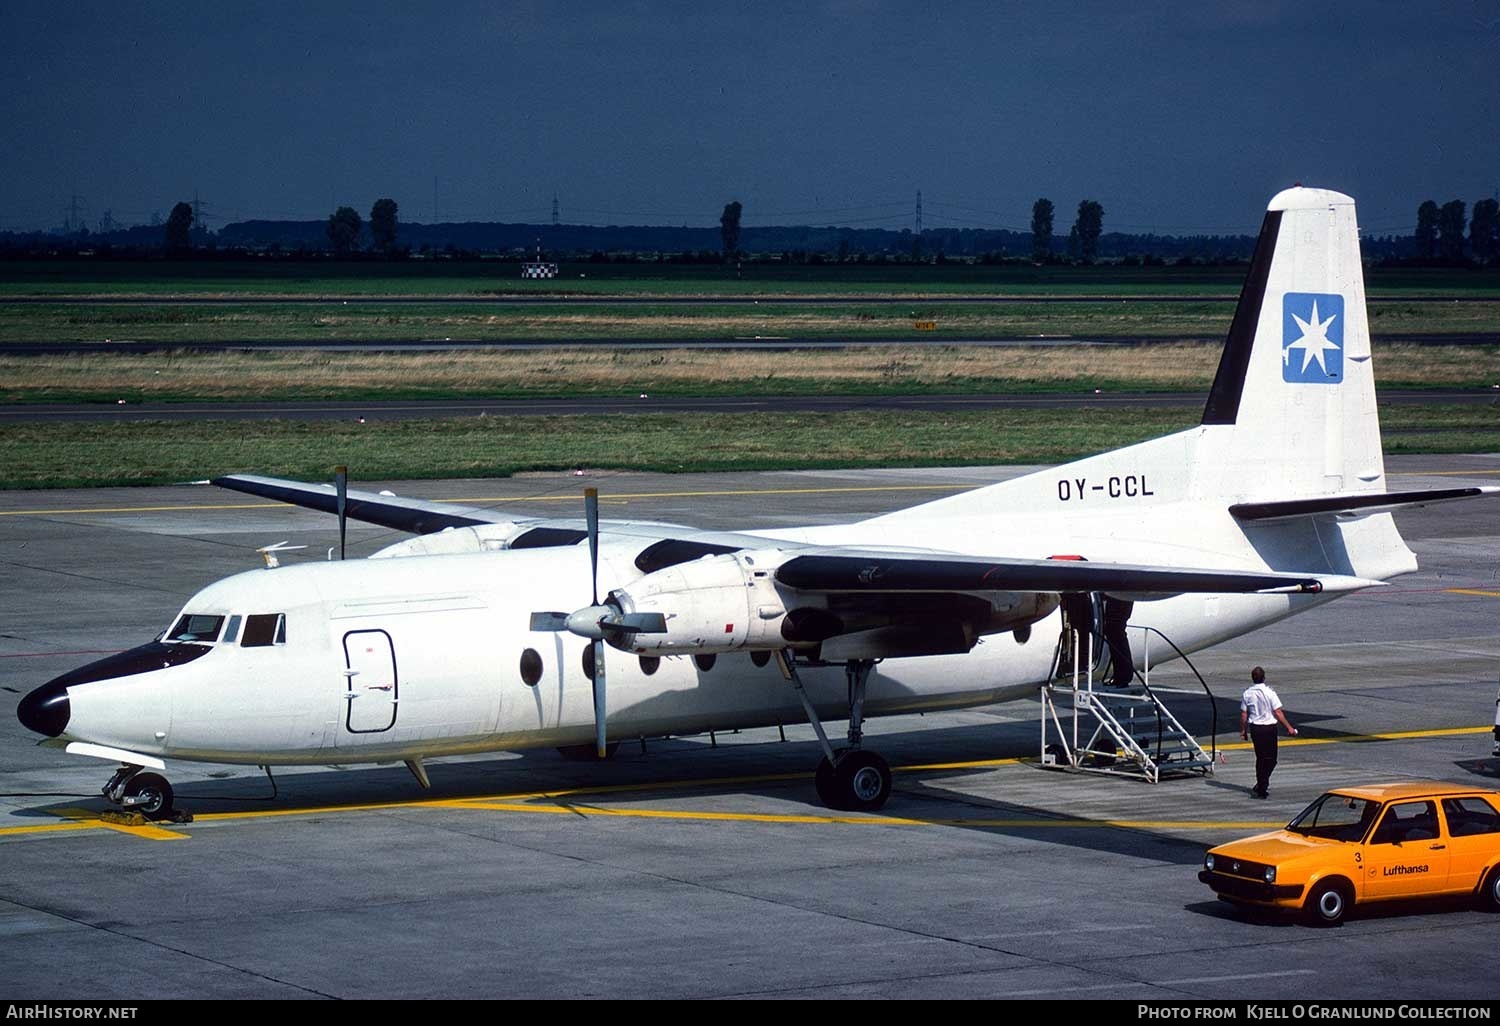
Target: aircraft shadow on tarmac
[(672, 769)]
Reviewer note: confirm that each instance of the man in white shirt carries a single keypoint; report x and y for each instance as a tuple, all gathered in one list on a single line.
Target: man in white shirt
[(1260, 709), (1496, 749)]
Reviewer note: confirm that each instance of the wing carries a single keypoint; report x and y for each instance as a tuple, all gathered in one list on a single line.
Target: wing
[(848, 603), (873, 571), (420, 516), (414, 515)]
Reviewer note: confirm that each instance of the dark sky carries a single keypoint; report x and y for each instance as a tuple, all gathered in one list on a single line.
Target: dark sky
[(1178, 117)]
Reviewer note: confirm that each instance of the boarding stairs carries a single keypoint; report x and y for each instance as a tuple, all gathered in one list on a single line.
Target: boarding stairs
[(1090, 726)]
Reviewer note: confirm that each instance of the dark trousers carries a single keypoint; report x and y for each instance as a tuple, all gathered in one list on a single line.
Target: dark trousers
[(1264, 738)]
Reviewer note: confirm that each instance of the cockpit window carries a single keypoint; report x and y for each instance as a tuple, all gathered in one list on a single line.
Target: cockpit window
[(263, 629), (195, 627), (232, 631)]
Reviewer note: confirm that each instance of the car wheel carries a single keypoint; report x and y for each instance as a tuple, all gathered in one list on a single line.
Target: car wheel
[(1329, 903), (1489, 894)]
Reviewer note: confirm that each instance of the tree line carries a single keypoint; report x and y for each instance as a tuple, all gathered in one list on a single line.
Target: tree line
[(1444, 235), (1440, 232)]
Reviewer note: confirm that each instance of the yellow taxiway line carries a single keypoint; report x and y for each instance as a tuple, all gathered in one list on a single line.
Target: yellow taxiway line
[(565, 802)]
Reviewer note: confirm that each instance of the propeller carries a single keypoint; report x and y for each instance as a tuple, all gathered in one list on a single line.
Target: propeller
[(341, 486), (599, 623)]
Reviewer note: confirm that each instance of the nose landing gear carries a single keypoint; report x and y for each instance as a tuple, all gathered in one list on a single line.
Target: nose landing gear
[(147, 794)]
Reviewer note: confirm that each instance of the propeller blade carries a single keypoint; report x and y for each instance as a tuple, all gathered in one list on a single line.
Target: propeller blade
[(600, 738), (547, 621), (591, 516), (341, 485)]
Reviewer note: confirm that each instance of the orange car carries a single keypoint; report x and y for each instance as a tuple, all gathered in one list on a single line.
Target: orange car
[(1367, 844)]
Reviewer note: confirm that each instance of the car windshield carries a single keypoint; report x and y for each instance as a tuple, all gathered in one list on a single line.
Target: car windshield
[(195, 627), (1338, 817)]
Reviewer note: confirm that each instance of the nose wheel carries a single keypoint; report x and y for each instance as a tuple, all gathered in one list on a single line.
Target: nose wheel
[(148, 794)]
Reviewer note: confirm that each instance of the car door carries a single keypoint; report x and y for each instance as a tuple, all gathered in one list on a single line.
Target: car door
[(1473, 839), (1406, 855)]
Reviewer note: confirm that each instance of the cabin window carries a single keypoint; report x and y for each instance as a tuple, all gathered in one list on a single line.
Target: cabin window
[(232, 631), (531, 668), (1409, 821), (264, 629), (1470, 816), (196, 627)]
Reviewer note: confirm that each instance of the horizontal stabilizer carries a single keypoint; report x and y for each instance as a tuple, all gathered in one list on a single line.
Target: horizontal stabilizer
[(902, 572), (1349, 504)]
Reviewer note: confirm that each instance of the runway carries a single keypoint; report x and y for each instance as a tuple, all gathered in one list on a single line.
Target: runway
[(704, 867), (406, 409)]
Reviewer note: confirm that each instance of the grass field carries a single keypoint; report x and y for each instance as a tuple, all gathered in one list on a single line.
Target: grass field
[(850, 321), (601, 371), (155, 452), (158, 452)]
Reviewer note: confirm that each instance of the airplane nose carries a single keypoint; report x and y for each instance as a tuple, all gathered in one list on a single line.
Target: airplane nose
[(46, 710)]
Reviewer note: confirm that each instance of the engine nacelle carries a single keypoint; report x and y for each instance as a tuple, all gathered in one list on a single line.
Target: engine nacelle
[(712, 604)]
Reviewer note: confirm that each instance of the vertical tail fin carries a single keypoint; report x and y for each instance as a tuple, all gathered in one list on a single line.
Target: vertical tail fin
[(1291, 414), (1295, 381)]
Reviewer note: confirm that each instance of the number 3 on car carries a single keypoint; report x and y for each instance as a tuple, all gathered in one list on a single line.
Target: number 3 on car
[(1358, 845)]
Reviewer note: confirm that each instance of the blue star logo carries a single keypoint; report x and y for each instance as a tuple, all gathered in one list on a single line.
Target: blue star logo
[(1312, 338)]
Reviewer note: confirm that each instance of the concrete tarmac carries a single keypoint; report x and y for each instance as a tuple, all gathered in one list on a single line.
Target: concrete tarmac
[(704, 867)]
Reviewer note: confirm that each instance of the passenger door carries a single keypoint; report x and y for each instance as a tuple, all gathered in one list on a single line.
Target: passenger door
[(1473, 839), (1407, 855), (372, 689)]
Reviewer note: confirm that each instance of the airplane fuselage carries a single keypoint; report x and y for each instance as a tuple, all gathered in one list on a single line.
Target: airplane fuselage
[(391, 659)]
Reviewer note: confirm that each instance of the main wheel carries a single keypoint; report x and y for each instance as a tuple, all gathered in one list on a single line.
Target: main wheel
[(823, 782), (1489, 894), (1328, 903), (863, 781), (149, 794)]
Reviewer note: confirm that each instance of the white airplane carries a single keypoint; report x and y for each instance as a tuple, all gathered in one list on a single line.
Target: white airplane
[(482, 634)]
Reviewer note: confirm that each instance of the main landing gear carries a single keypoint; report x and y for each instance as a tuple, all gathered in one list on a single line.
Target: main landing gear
[(851, 778), (146, 793)]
